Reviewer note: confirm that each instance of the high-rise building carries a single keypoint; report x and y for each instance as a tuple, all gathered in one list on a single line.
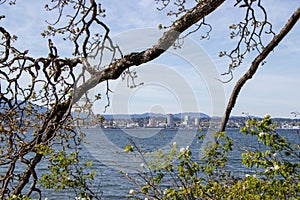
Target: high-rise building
[(196, 121), (170, 121), (150, 122), (185, 120)]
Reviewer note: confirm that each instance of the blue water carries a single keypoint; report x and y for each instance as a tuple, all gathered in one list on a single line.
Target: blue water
[(115, 186), (106, 149)]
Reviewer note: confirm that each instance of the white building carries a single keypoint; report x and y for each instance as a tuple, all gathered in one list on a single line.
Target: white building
[(170, 121), (186, 120), (196, 121)]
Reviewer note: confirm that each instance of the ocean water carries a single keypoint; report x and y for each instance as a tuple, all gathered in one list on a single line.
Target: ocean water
[(106, 148), (104, 145)]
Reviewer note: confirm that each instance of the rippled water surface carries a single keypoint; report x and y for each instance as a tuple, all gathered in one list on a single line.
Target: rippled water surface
[(106, 148)]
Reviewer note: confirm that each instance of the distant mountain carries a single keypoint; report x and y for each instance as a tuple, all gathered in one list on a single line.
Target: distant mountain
[(131, 116), (153, 115), (22, 106), (191, 115), (244, 117)]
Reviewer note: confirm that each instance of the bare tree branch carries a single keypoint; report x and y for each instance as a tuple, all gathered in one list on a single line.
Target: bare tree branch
[(255, 64), (163, 43), (54, 86), (52, 81)]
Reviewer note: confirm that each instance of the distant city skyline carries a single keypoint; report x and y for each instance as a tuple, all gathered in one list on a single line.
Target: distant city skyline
[(177, 121), (191, 115)]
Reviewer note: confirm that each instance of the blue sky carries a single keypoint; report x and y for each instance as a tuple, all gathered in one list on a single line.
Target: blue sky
[(171, 83)]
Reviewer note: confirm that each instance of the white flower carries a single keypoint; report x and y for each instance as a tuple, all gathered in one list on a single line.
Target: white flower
[(261, 134), (146, 198), (77, 198), (276, 167), (142, 164), (182, 149), (267, 115), (174, 143), (247, 175), (131, 191), (165, 191), (275, 155), (187, 147), (46, 198)]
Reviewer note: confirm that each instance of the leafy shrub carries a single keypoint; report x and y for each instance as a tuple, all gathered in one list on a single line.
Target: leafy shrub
[(276, 169)]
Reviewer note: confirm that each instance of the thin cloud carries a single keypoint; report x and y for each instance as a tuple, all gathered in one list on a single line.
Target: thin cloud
[(281, 81)]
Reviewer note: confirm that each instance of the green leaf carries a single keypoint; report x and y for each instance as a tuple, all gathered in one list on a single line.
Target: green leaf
[(129, 148)]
